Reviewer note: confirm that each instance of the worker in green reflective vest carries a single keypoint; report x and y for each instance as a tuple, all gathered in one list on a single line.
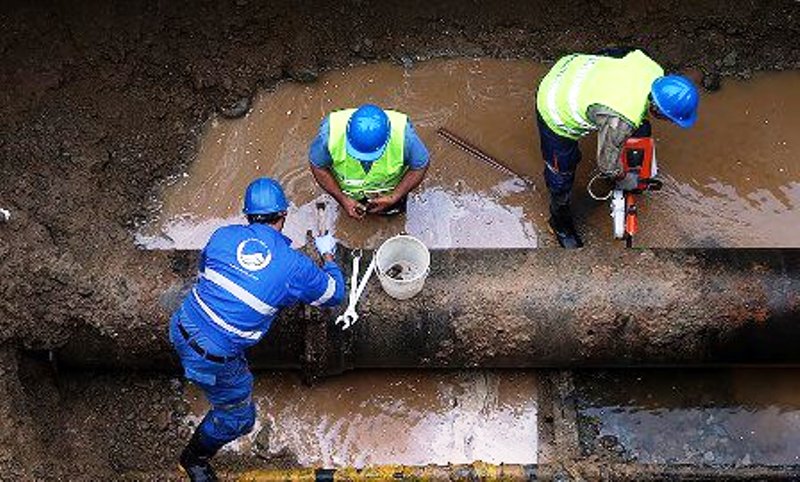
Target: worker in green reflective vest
[(609, 93), (368, 159)]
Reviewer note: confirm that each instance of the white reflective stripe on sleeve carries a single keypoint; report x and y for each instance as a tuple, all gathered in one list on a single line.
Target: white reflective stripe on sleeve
[(248, 335), (329, 291), (575, 91), (552, 105), (240, 293)]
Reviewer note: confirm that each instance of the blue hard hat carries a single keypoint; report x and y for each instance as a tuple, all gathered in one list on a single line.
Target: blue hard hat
[(264, 196), (367, 133), (676, 97)]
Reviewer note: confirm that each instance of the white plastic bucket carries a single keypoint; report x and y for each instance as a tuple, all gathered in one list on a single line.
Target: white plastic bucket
[(402, 263)]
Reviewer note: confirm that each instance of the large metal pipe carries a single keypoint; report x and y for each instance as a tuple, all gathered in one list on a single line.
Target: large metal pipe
[(532, 308)]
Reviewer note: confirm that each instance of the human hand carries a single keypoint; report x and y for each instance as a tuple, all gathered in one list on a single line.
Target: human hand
[(629, 182), (354, 208), (326, 244), (379, 204)]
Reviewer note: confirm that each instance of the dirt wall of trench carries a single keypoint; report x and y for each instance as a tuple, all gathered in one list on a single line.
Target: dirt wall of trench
[(101, 101)]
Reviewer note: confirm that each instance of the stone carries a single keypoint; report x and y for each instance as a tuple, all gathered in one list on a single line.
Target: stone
[(236, 110), (304, 74), (711, 81), (730, 59)]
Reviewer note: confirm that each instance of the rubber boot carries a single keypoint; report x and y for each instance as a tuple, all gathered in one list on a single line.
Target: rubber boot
[(195, 460), (563, 227)]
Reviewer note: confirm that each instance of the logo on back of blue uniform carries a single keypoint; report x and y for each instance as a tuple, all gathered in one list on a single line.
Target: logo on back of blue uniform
[(253, 254)]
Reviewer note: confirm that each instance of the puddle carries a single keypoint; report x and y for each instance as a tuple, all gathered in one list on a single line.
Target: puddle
[(733, 180), (712, 417), (396, 417)]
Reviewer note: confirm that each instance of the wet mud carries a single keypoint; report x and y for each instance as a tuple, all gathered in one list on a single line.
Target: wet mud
[(461, 200), (734, 183)]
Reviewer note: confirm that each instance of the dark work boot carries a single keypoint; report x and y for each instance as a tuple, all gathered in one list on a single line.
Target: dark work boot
[(563, 227), (195, 461)]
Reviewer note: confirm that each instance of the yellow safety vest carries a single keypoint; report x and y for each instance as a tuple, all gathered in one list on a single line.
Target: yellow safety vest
[(576, 82), (385, 172)]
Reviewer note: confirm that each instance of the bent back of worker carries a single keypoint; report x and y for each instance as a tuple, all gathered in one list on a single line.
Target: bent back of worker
[(578, 81), (247, 274)]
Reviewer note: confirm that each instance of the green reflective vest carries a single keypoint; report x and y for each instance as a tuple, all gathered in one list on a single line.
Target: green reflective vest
[(579, 81), (385, 172)]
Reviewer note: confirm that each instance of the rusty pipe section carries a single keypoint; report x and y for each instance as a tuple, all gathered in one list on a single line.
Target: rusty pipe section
[(525, 308)]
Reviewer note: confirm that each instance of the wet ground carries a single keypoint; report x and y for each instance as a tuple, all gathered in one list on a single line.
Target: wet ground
[(712, 417), (732, 183), (393, 417)]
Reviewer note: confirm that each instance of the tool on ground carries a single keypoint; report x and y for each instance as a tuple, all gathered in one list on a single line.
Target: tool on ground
[(357, 286), (480, 155), (638, 157)]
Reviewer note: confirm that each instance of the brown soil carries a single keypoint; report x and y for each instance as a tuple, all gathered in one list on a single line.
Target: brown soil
[(102, 100)]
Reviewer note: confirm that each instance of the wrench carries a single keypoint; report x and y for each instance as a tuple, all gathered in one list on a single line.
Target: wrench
[(357, 287), (353, 288)]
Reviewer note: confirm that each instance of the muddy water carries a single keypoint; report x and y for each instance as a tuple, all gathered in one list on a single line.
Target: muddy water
[(742, 416), (733, 180), (413, 418)]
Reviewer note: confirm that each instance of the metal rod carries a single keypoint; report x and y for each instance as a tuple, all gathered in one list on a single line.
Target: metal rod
[(480, 155)]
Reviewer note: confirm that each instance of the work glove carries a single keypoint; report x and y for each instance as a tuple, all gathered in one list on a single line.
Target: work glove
[(629, 182), (325, 244)]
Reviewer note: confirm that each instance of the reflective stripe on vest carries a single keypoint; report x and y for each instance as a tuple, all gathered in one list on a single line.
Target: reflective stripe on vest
[(577, 82), (217, 320), (384, 173)]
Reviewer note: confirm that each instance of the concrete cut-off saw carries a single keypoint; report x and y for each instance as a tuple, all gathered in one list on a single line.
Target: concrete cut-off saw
[(638, 158)]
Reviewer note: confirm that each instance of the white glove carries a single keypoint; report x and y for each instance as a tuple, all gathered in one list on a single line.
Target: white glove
[(325, 244)]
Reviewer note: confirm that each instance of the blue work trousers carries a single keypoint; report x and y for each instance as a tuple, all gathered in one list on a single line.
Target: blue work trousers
[(228, 387), (561, 157)]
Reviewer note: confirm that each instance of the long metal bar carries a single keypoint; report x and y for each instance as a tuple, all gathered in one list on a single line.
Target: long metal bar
[(480, 155)]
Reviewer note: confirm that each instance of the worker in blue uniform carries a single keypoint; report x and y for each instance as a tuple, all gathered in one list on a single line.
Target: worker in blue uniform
[(247, 274)]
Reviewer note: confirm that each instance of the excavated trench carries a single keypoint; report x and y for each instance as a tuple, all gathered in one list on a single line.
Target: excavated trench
[(114, 154)]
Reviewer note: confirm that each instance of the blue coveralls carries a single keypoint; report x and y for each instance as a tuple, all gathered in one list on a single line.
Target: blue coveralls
[(247, 274)]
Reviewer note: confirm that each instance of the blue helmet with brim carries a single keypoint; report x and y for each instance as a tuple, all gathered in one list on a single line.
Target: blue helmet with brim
[(264, 196), (368, 132), (677, 98)]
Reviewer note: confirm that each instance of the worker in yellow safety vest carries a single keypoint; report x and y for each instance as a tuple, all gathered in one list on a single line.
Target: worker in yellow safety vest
[(609, 93), (368, 159)]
